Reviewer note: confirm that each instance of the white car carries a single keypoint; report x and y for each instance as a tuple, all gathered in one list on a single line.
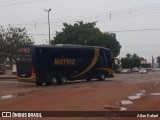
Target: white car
[(126, 71), (143, 71)]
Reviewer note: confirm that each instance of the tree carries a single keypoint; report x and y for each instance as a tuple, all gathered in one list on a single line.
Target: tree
[(131, 61), (10, 39), (2, 58), (87, 34), (128, 55), (158, 61), (135, 55), (126, 62)]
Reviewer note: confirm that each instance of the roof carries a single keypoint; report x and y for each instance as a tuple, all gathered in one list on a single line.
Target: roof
[(67, 46)]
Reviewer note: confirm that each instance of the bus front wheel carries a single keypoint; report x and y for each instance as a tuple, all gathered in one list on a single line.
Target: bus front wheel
[(102, 76)]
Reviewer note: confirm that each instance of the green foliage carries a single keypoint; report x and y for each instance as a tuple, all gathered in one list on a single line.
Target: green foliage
[(10, 39), (128, 55), (126, 62), (87, 34), (131, 61), (147, 65), (2, 59)]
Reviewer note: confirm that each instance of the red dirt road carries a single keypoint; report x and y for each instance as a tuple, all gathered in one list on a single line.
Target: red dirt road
[(85, 96)]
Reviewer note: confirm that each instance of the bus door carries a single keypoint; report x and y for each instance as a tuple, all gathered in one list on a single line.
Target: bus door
[(115, 62)]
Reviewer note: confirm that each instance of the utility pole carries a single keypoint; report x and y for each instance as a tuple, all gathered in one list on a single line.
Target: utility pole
[(48, 25), (110, 15)]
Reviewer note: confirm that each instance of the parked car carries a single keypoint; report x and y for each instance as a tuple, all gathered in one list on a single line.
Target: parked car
[(119, 69), (126, 71), (135, 69), (143, 71), (157, 69)]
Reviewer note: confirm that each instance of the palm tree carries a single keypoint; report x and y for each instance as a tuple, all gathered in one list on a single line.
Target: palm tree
[(128, 55), (135, 55)]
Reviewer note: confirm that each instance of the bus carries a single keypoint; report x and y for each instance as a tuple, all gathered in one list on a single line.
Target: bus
[(44, 64)]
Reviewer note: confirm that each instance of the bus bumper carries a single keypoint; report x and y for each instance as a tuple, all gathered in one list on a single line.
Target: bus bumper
[(32, 79)]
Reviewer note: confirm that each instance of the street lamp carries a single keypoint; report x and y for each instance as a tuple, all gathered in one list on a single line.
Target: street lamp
[(48, 25)]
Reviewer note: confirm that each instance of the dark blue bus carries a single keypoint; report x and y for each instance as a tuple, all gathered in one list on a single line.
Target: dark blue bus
[(42, 64)]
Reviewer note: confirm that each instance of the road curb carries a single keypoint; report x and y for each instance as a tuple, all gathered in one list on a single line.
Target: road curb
[(7, 77)]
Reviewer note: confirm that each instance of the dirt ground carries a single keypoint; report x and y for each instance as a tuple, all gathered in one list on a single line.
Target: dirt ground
[(125, 92)]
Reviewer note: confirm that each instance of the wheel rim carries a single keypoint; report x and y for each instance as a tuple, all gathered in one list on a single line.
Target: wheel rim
[(43, 84), (64, 80), (54, 80), (102, 77)]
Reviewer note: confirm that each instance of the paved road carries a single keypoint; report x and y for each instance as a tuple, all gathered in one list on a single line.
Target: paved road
[(128, 92)]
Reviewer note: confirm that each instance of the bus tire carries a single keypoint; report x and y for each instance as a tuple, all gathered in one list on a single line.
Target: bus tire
[(88, 79), (48, 80), (54, 80), (102, 76), (62, 80), (39, 83)]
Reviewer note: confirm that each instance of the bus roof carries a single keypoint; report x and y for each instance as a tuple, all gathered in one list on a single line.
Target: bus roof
[(67, 46)]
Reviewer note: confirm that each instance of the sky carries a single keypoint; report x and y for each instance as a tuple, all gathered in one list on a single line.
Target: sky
[(135, 22)]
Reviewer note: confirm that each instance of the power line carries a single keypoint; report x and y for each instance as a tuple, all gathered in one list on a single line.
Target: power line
[(12, 3), (143, 45), (135, 30), (30, 22), (6, 1), (141, 8), (125, 13), (117, 14), (40, 34)]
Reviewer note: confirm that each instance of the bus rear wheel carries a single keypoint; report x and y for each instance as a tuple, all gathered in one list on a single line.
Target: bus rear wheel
[(54, 80), (62, 80)]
